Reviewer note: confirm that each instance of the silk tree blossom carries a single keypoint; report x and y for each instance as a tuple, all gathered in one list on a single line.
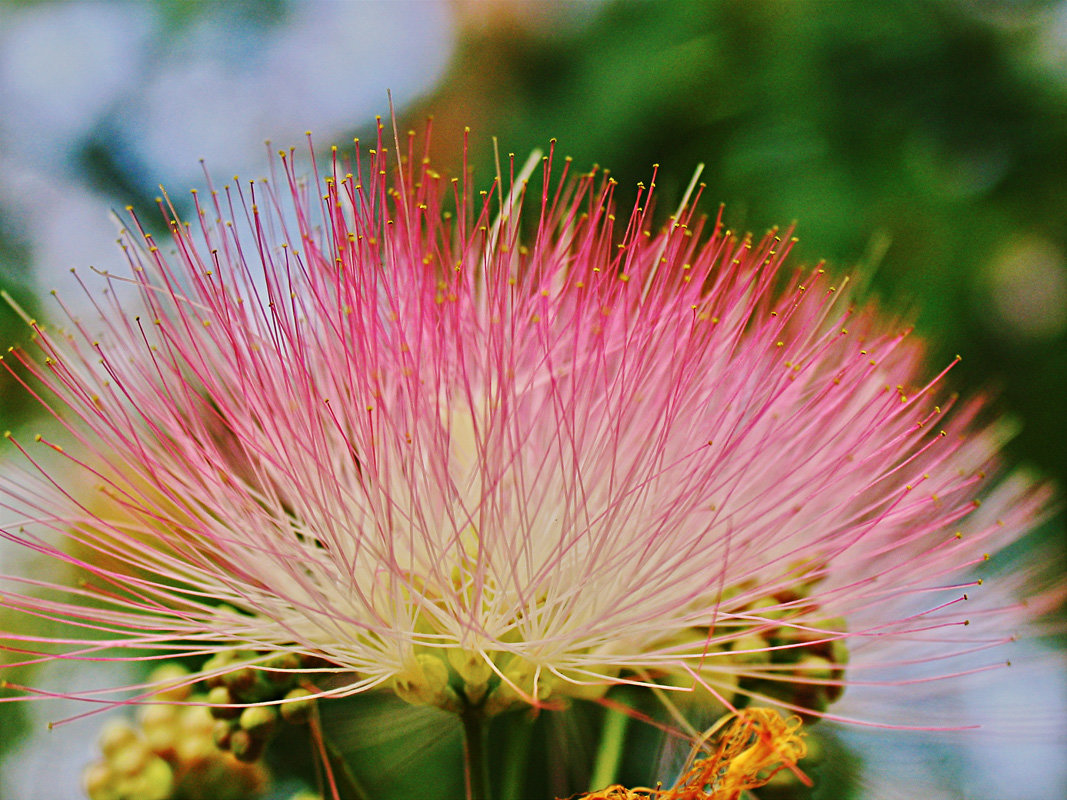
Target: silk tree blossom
[(512, 452)]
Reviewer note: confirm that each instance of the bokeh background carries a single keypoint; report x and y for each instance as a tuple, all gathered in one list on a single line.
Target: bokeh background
[(922, 143)]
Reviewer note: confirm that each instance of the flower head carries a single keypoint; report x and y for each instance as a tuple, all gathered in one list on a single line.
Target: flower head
[(423, 439)]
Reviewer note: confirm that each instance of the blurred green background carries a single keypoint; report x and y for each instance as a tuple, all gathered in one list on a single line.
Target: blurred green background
[(921, 142), (925, 139)]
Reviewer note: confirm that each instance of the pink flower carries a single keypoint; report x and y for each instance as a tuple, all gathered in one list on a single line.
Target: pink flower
[(489, 457)]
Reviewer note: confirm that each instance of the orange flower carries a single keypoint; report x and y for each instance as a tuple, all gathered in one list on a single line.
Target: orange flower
[(758, 744)]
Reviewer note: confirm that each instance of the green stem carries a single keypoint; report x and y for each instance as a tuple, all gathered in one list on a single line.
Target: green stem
[(476, 763), (516, 759), (609, 754), (348, 786)]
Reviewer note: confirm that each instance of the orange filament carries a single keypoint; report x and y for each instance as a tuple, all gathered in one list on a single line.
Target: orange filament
[(757, 745)]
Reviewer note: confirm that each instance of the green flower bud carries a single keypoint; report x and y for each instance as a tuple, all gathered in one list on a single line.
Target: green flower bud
[(425, 682), (245, 746), (240, 682), (216, 662), (221, 734), (750, 649), (193, 741), (177, 676), (298, 709), (131, 758), (259, 720), (282, 668), (98, 781), (116, 736), (197, 720), (519, 680), (156, 781), (474, 671), (220, 700), (156, 715)]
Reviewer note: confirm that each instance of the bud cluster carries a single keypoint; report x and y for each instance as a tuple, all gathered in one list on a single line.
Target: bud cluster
[(775, 647), (804, 667), (248, 702), (765, 647), (169, 754)]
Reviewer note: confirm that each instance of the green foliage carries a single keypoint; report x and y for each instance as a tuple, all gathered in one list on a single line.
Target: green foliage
[(923, 138)]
